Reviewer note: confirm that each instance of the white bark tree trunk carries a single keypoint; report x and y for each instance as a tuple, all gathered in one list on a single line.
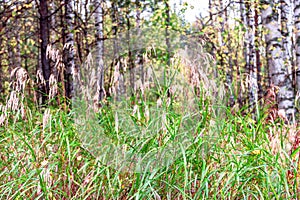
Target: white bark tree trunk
[(276, 60), (98, 15), (297, 42), (252, 67), (287, 22)]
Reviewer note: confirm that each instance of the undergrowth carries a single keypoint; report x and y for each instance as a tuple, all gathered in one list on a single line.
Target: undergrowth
[(232, 157)]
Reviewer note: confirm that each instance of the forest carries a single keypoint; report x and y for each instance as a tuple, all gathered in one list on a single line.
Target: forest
[(128, 99)]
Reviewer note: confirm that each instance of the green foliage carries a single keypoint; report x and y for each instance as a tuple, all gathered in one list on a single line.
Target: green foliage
[(231, 157)]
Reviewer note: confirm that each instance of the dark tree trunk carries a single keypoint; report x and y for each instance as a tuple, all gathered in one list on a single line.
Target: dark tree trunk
[(139, 56), (167, 35), (69, 59), (167, 32), (44, 37), (257, 52), (131, 64)]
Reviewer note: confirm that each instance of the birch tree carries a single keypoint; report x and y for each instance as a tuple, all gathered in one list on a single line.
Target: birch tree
[(297, 44), (287, 31), (252, 64), (98, 15), (276, 61)]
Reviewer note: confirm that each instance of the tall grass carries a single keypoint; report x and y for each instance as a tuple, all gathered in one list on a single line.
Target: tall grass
[(231, 156)]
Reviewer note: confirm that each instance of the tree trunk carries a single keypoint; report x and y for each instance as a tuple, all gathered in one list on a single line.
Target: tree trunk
[(139, 57), (167, 35), (297, 43), (69, 58), (44, 37), (287, 31), (99, 48), (257, 51), (276, 61), (18, 46), (246, 53), (252, 65), (130, 59), (213, 18), (167, 32), (116, 73), (225, 54)]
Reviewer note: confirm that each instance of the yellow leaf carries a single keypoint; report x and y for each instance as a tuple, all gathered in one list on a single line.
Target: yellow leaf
[(255, 152)]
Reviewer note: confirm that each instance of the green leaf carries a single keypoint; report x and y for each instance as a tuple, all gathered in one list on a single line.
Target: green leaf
[(295, 152)]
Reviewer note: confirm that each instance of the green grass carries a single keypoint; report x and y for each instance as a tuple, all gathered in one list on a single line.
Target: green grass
[(183, 147), (231, 157)]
